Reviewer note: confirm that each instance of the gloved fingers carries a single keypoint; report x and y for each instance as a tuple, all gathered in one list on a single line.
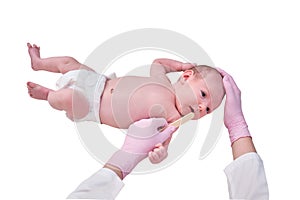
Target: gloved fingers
[(228, 81), (165, 134), (158, 122), (146, 128), (222, 72), (152, 122), (142, 123), (227, 77), (230, 85), (227, 86)]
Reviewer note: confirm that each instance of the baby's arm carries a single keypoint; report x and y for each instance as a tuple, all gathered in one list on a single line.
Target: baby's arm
[(159, 68), (162, 66)]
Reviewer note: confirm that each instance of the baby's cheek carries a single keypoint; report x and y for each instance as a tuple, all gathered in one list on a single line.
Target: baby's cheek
[(157, 111)]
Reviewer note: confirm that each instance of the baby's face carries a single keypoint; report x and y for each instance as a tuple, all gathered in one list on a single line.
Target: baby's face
[(200, 95)]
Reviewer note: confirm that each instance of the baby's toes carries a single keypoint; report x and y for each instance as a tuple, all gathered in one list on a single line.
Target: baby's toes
[(29, 86), (29, 45)]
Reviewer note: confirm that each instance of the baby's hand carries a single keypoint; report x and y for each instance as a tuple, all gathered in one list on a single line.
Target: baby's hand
[(186, 66), (158, 154)]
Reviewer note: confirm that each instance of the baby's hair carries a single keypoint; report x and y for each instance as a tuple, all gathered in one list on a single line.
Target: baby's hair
[(203, 70)]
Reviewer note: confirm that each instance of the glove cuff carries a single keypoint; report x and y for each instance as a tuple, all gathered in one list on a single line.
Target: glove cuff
[(125, 161), (238, 130)]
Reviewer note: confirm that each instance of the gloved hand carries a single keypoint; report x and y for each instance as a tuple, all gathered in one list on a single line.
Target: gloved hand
[(233, 115), (141, 138)]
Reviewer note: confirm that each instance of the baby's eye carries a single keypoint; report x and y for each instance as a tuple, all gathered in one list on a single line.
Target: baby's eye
[(203, 94)]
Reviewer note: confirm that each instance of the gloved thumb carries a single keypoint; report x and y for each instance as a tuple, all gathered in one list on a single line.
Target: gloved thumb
[(165, 134)]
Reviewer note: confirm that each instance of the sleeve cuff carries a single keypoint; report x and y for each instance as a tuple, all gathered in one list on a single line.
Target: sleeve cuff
[(241, 160), (104, 184)]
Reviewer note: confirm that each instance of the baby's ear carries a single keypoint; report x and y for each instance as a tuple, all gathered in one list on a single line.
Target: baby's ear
[(187, 74)]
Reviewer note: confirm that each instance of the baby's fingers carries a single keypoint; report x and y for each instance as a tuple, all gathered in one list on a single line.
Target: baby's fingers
[(153, 157), (158, 145), (161, 151), (186, 66)]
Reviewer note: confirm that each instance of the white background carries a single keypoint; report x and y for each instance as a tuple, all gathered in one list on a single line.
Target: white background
[(256, 41)]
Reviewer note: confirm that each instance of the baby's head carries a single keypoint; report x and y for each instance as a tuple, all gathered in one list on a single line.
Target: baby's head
[(200, 90)]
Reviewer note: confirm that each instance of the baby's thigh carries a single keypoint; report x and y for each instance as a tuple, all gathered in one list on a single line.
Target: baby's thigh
[(80, 105), (61, 99), (72, 101)]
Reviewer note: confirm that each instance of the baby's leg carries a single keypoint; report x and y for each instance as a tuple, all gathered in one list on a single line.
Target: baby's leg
[(37, 91), (71, 101), (53, 64), (63, 99)]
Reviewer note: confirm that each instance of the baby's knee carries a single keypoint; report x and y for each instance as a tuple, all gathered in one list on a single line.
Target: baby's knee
[(61, 99), (73, 102), (69, 60)]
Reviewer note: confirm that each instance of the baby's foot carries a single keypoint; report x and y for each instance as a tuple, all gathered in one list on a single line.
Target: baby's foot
[(37, 91), (34, 53)]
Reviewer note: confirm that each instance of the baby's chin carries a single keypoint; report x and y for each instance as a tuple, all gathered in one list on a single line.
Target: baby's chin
[(196, 117), (184, 112), (181, 111)]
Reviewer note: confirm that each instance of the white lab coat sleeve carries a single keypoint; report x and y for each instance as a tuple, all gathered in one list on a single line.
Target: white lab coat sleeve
[(246, 178), (104, 184)]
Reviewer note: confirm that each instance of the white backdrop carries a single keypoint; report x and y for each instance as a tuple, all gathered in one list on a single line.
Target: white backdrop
[(257, 42)]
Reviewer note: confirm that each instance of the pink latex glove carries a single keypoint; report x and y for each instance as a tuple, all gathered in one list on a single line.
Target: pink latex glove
[(141, 138), (233, 115)]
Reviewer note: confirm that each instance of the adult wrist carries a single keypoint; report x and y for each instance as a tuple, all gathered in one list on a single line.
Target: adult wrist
[(238, 129), (115, 169), (125, 161)]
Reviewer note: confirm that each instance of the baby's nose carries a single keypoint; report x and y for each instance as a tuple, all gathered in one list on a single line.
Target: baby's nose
[(202, 107)]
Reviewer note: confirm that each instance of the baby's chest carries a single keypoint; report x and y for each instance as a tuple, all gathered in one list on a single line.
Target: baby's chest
[(152, 102), (132, 102), (152, 94), (143, 98)]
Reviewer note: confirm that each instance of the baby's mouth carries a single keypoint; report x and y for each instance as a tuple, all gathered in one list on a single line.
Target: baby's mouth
[(192, 109)]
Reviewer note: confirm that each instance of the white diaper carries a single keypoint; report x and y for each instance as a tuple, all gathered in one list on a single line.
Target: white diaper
[(88, 83)]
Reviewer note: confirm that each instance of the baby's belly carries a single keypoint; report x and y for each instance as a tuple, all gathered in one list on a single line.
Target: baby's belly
[(130, 101)]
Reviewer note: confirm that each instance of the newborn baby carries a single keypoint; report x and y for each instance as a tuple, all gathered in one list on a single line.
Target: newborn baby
[(118, 102)]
